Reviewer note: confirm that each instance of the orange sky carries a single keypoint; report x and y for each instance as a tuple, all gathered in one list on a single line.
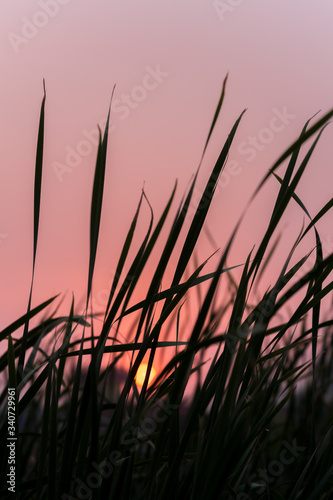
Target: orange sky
[(168, 61)]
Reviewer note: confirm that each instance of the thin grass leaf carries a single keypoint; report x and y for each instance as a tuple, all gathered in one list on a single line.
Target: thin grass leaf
[(202, 210), (216, 115), (97, 199), (37, 198), (45, 432), (123, 255), (170, 292), (23, 319)]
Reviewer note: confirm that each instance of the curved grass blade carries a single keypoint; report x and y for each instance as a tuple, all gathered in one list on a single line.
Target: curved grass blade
[(97, 199), (45, 431), (289, 151), (291, 166), (23, 319), (319, 215), (123, 256), (37, 197), (202, 210), (216, 115), (132, 276), (319, 258), (169, 292), (280, 209)]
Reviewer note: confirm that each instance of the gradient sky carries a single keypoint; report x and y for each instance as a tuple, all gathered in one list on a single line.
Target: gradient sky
[(168, 61)]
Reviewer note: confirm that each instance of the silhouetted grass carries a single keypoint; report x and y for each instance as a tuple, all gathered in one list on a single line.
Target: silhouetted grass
[(244, 431)]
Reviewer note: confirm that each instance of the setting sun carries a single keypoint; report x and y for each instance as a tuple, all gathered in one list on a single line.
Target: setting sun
[(141, 373)]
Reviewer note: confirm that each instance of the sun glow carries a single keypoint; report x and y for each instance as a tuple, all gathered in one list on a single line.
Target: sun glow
[(141, 373)]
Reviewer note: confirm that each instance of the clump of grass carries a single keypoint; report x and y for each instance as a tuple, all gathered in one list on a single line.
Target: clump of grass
[(244, 431)]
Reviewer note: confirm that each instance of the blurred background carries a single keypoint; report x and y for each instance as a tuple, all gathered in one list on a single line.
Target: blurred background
[(168, 61)]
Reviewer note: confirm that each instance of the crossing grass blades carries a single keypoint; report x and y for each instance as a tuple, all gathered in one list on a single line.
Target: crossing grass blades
[(245, 431)]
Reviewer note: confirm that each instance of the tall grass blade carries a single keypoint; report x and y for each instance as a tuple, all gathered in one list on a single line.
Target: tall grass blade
[(97, 199), (37, 198)]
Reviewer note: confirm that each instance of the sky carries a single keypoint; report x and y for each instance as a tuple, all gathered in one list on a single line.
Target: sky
[(168, 61)]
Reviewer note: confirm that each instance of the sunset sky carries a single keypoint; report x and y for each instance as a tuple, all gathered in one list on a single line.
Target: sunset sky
[(168, 61)]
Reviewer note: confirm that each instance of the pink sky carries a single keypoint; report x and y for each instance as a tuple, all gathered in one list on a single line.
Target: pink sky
[(168, 60)]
